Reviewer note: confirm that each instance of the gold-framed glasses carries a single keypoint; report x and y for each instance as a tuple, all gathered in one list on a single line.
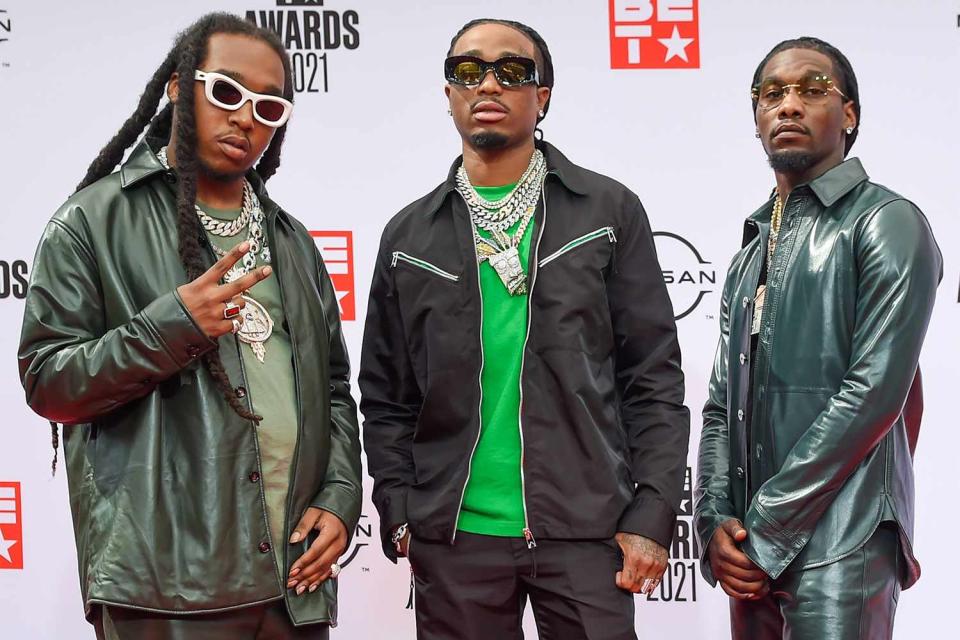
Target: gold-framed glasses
[(812, 90)]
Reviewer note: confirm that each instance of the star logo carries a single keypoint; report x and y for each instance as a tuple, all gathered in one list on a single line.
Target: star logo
[(5, 546), (676, 45)]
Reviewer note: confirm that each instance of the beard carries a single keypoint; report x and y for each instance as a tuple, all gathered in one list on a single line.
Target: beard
[(790, 161), (218, 176), (487, 141)]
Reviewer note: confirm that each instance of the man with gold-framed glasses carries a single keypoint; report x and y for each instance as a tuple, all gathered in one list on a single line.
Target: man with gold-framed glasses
[(805, 481)]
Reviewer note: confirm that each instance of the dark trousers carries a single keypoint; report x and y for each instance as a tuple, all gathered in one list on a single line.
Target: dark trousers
[(260, 622), (851, 599), (477, 589)]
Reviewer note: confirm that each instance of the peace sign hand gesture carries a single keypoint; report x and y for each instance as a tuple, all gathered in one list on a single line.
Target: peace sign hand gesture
[(207, 300)]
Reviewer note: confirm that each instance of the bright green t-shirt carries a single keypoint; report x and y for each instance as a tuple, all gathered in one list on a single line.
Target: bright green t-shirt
[(271, 388), (493, 500)]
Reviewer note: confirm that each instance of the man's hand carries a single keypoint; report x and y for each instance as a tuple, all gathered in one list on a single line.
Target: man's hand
[(739, 577), (313, 567), (644, 562), (205, 298)]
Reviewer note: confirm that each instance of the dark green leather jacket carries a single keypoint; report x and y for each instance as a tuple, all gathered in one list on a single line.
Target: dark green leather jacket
[(828, 454), (164, 484)]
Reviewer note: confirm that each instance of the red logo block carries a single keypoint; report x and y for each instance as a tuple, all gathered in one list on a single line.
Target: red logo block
[(336, 247), (654, 34), (11, 529)]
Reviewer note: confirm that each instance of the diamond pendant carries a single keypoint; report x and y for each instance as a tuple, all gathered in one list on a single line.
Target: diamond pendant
[(256, 328), (508, 267)]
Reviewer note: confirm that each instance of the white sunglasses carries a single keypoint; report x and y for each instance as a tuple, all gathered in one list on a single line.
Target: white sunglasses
[(226, 93)]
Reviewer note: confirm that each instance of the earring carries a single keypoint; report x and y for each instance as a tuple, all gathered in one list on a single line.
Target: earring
[(849, 130), (756, 134), (541, 114), (449, 111)]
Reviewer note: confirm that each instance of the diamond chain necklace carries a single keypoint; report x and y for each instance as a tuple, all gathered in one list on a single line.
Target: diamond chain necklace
[(251, 216), (501, 251)]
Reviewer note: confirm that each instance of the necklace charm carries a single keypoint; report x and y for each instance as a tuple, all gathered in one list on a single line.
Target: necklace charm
[(256, 327), (508, 266)]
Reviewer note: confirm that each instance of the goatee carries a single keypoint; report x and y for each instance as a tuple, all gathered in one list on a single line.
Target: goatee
[(790, 161), (486, 140), (218, 176)]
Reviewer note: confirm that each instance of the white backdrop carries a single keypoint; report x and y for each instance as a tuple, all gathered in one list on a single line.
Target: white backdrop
[(379, 136)]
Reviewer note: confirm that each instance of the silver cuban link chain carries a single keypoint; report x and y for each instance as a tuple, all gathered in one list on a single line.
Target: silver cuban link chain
[(251, 215), (501, 251), (501, 214)]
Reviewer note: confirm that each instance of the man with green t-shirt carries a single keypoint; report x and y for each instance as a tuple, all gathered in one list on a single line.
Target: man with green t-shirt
[(520, 374)]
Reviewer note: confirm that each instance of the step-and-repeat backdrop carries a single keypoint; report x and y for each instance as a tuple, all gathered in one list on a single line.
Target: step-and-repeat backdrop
[(651, 92)]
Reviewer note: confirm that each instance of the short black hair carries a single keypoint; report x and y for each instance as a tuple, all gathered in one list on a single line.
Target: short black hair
[(544, 64), (846, 78)]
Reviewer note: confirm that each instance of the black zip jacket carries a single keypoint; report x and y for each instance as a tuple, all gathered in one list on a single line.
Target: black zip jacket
[(604, 431)]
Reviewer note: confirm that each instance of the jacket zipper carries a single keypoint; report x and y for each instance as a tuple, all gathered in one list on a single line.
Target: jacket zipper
[(399, 256), (476, 443), (527, 533), (573, 244)]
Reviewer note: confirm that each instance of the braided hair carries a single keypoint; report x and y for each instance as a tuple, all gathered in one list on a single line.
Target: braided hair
[(847, 79), (544, 61), (189, 50)]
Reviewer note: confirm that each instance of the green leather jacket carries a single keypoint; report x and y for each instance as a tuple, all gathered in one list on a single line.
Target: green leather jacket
[(164, 477), (828, 452)]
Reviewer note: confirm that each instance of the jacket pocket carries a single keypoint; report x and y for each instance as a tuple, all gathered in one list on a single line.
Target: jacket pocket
[(400, 256), (602, 232)]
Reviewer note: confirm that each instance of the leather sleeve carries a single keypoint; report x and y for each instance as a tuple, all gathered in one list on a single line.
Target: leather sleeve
[(650, 380), (342, 490), (899, 267), (390, 401), (74, 367), (713, 500)]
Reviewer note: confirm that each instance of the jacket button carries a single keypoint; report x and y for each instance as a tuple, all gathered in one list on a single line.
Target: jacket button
[(740, 415), (264, 547), (743, 358), (255, 476), (332, 388), (759, 451), (170, 177), (240, 392), (740, 472), (746, 301), (193, 351)]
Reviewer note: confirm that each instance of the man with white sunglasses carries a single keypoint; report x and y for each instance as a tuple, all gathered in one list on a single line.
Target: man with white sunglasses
[(183, 329)]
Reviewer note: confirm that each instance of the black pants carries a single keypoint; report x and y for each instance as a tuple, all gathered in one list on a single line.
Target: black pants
[(851, 599), (261, 622), (477, 589)]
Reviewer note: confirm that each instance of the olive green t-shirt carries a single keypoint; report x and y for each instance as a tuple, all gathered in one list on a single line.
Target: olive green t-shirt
[(271, 388), (493, 500)]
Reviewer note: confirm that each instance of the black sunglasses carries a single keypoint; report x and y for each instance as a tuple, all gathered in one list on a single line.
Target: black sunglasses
[(510, 71)]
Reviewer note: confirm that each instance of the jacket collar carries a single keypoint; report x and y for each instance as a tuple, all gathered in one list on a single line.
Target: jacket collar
[(828, 187), (571, 176), (141, 164)]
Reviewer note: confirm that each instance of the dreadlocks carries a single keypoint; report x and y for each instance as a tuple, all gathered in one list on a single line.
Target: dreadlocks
[(189, 50), (544, 60), (847, 79)]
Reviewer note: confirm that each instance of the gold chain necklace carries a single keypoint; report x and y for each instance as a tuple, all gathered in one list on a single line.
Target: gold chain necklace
[(776, 216)]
